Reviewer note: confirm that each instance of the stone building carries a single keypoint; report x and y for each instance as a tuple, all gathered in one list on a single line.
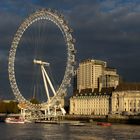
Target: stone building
[(126, 99), (92, 74), (110, 78), (89, 103), (88, 74), (93, 86)]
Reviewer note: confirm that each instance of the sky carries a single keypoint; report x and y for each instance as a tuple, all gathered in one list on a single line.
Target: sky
[(104, 29)]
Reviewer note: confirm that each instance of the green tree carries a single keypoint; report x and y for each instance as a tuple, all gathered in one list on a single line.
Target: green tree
[(34, 101), (2, 107), (11, 107), (16, 109)]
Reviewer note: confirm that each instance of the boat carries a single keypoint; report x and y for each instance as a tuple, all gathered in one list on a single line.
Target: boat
[(47, 122), (104, 123), (14, 120), (78, 124)]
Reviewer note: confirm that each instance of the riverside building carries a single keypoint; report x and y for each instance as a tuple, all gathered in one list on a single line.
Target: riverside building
[(126, 99), (93, 85), (89, 103), (92, 74), (110, 78), (88, 73)]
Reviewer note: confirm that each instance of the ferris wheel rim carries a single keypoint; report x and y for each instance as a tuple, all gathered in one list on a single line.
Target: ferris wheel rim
[(58, 20)]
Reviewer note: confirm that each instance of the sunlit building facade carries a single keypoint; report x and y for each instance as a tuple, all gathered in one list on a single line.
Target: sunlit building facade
[(110, 78), (93, 86), (88, 74), (99, 92), (126, 99), (93, 74), (91, 104)]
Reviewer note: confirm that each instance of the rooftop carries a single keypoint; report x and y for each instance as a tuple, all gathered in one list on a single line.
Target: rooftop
[(128, 86), (94, 60), (96, 91)]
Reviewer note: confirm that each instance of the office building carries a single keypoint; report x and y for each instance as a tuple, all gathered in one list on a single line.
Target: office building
[(89, 103), (94, 74)]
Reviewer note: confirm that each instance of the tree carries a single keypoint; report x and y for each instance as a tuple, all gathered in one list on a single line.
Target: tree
[(34, 101), (10, 107), (2, 107)]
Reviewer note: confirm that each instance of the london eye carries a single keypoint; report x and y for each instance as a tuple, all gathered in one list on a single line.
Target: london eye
[(53, 102)]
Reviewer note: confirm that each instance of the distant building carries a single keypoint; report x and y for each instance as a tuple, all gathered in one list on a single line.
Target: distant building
[(126, 99), (93, 74), (93, 86), (98, 91), (89, 103), (88, 74), (110, 78), (8, 101)]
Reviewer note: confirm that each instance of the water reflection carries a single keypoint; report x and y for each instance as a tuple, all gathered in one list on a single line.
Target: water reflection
[(68, 132)]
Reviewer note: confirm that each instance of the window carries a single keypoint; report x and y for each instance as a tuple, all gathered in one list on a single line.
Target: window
[(134, 104), (139, 104)]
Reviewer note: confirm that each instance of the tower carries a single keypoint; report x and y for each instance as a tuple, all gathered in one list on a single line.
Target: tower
[(88, 74)]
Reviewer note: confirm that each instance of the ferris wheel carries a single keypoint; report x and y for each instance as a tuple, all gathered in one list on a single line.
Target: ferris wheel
[(53, 102)]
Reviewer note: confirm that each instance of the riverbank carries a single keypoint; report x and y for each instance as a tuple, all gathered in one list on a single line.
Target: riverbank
[(31, 131), (109, 118), (90, 118), (2, 117)]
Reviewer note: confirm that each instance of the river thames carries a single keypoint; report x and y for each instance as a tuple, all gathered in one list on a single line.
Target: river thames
[(33, 131)]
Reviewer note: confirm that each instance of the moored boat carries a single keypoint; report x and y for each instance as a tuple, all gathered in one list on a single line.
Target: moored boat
[(14, 120), (47, 122), (78, 124), (104, 123)]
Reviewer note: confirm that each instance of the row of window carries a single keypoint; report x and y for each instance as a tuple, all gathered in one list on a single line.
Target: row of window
[(94, 100), (132, 104), (132, 110), (92, 112)]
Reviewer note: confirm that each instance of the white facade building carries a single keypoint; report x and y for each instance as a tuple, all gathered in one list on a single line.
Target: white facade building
[(126, 101), (90, 104), (88, 74), (92, 74), (110, 78)]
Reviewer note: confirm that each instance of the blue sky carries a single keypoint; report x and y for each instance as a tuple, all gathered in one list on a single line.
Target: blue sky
[(104, 29)]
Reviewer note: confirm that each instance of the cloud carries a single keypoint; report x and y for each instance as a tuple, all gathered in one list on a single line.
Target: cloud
[(109, 31), (104, 29)]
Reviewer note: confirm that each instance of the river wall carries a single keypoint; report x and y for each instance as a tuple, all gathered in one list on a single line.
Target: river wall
[(2, 117), (108, 118), (91, 118)]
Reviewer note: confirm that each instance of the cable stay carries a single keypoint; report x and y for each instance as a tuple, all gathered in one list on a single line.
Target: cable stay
[(46, 78)]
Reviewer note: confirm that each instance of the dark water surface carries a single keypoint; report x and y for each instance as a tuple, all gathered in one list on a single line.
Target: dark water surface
[(68, 132)]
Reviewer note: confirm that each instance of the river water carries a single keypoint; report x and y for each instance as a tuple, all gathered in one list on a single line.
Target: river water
[(33, 131)]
